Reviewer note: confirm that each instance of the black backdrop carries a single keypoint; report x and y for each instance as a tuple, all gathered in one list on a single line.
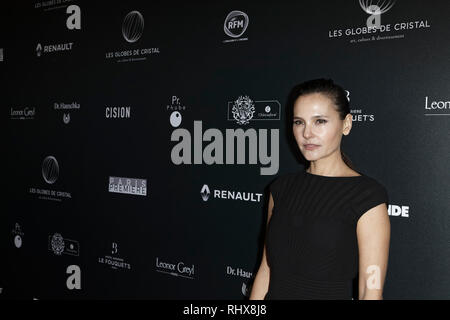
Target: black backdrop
[(66, 71)]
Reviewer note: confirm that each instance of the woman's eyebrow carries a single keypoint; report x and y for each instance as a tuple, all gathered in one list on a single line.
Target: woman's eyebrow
[(316, 116)]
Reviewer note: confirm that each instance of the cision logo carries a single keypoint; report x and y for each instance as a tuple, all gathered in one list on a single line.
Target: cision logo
[(373, 28), (132, 186), (60, 245), (117, 112), (177, 269), (235, 25), (132, 31), (190, 150), (50, 174), (229, 195)]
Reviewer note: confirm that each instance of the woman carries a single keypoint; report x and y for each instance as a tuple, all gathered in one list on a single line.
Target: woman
[(328, 224)]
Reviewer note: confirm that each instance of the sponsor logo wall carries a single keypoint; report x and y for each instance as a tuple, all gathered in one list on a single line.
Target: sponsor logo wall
[(142, 138)]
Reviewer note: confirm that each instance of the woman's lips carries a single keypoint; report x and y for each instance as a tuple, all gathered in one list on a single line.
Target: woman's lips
[(311, 146)]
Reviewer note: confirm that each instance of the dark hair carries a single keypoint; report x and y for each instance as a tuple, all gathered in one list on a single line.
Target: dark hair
[(333, 91)]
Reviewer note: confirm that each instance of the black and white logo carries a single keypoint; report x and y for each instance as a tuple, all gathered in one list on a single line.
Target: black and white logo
[(244, 109), (18, 236), (205, 192), (66, 118), (50, 169), (128, 186), (179, 269), (60, 246), (22, 113), (230, 195), (235, 23), (133, 26), (115, 262)]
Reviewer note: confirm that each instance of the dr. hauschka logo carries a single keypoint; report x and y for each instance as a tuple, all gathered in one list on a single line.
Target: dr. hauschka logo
[(179, 269), (245, 289), (74, 279), (66, 118), (239, 272), (22, 113), (60, 245), (132, 31), (117, 112), (61, 106), (128, 186), (436, 107), (50, 169), (115, 262), (230, 195), (241, 111), (235, 25), (374, 30), (18, 236), (50, 173), (133, 26)]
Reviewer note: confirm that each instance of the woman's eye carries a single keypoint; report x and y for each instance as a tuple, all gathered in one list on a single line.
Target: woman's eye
[(297, 122), (322, 121)]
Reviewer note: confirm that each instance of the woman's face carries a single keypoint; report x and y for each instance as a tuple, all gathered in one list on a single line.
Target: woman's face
[(316, 122)]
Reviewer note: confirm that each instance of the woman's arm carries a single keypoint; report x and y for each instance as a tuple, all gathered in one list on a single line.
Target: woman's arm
[(261, 282), (373, 232)]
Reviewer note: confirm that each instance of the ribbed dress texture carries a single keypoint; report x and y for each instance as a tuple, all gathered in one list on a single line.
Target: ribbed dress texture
[(311, 241)]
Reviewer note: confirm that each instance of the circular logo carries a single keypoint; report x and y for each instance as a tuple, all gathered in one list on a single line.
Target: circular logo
[(133, 26), (50, 169), (267, 109), (18, 241), (58, 244), (175, 119), (235, 23)]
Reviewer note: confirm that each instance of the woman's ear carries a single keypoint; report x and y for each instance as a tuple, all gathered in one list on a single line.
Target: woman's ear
[(347, 124)]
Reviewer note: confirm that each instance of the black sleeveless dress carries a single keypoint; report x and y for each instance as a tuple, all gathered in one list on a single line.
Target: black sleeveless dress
[(311, 241)]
